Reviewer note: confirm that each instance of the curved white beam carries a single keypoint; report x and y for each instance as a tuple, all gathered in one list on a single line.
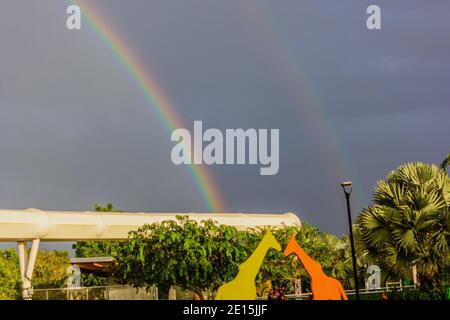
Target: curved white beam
[(28, 224)]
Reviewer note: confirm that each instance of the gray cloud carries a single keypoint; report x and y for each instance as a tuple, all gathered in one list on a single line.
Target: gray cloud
[(350, 103)]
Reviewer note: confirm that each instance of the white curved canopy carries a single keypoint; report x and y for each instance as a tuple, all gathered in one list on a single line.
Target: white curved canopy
[(28, 224)]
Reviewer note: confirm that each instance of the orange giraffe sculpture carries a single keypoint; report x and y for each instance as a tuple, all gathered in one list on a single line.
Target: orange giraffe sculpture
[(323, 287)]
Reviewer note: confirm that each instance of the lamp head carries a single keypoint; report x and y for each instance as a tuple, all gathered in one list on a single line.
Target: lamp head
[(347, 187)]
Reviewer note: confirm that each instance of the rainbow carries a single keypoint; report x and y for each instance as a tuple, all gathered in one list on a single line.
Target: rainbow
[(269, 31), (153, 94)]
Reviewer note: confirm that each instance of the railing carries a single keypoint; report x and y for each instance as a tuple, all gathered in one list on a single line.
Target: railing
[(365, 294), (119, 292), (114, 292)]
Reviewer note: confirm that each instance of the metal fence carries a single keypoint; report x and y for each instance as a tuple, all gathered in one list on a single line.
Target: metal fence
[(364, 294), (119, 292), (114, 292), (376, 294)]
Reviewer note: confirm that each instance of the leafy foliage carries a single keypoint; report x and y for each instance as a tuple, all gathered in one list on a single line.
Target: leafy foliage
[(50, 270), (342, 265), (9, 275), (437, 292), (196, 256)]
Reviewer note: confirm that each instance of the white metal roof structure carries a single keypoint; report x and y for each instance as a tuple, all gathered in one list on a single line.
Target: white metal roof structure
[(28, 224), (36, 225)]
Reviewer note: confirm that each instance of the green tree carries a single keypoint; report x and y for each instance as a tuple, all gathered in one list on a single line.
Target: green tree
[(342, 265), (50, 270), (87, 249), (408, 224), (10, 281), (195, 256)]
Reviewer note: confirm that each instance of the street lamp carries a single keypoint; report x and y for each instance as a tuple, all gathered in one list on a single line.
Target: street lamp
[(352, 245)]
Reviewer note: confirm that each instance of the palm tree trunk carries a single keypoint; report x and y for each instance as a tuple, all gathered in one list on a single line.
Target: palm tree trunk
[(414, 274)]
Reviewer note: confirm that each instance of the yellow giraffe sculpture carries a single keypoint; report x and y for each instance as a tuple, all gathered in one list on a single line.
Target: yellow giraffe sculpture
[(242, 287)]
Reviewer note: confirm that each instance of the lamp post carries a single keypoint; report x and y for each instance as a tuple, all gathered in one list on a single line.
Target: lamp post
[(347, 193)]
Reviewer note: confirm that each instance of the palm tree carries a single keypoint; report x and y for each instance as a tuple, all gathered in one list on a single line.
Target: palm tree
[(445, 163), (408, 224)]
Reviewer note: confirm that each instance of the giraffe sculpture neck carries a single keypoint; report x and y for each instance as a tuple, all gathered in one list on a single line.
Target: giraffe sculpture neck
[(312, 267), (249, 269)]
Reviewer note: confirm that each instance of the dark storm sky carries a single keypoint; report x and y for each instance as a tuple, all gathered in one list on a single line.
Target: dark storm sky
[(351, 104)]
